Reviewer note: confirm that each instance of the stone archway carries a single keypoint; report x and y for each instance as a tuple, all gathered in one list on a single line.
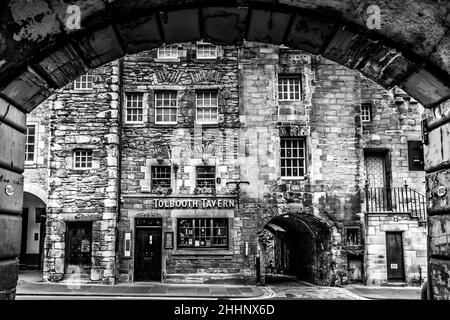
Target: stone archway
[(300, 244), (41, 51)]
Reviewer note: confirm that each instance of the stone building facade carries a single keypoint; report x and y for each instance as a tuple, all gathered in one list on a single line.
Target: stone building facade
[(196, 163)]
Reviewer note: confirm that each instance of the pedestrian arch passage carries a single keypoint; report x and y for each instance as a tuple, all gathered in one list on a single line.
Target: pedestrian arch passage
[(42, 48)]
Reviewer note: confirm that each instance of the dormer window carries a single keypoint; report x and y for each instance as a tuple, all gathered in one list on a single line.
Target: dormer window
[(169, 52), (206, 51)]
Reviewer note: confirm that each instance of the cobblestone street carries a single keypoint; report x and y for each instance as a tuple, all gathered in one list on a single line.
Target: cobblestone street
[(299, 290)]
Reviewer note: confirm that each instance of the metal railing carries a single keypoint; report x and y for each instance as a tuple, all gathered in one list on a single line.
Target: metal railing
[(396, 200)]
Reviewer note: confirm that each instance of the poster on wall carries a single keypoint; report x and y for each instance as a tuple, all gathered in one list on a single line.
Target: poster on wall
[(168, 240)]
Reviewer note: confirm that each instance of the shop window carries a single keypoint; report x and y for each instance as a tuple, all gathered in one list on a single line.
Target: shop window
[(134, 107), (206, 107), (82, 159), (30, 144), (166, 107), (352, 236), (168, 52), (161, 179), (206, 179), (206, 51), (292, 157), (85, 82), (202, 233), (366, 112), (289, 87), (415, 156)]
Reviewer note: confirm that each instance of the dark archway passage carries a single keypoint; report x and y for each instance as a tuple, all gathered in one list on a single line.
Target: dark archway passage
[(40, 54), (300, 246)]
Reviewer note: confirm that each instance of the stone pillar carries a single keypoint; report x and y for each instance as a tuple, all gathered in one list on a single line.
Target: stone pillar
[(12, 145), (437, 167)]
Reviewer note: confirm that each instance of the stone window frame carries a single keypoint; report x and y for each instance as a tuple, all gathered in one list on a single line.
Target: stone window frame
[(36, 140), (74, 167), (359, 235), (214, 186), (288, 76), (211, 227), (87, 79), (305, 165), (162, 90), (153, 179), (216, 106), (366, 112), (143, 114)]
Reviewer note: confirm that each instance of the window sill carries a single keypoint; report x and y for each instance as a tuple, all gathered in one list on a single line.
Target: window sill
[(293, 179), (202, 252), (30, 165), (167, 59)]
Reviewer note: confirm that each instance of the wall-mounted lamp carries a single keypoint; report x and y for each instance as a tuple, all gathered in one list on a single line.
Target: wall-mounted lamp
[(218, 180), (159, 159)]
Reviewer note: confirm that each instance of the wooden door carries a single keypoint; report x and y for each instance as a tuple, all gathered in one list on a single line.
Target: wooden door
[(148, 254), (394, 256)]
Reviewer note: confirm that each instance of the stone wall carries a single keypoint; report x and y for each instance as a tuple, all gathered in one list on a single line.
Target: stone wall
[(414, 248), (183, 146), (36, 174), (86, 120)]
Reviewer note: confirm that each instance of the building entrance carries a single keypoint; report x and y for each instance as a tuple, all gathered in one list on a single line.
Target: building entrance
[(147, 260)]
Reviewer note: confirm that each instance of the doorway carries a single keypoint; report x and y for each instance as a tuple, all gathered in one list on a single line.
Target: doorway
[(394, 256), (78, 247), (377, 176), (33, 232), (147, 262)]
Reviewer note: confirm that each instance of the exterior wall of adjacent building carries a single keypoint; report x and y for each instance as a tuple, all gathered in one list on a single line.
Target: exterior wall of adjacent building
[(36, 185), (244, 146), (84, 119), (395, 121)]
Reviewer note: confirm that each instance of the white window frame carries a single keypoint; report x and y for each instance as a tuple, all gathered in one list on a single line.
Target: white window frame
[(87, 79), (166, 107), (288, 86), (202, 56), (75, 156), (172, 50), (203, 107), (298, 158), (134, 108), (366, 113), (36, 134)]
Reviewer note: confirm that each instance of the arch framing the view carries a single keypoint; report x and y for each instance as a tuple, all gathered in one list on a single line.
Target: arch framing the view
[(41, 54)]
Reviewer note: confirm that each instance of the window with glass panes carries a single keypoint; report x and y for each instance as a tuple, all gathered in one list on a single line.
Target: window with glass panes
[(85, 82), (207, 107), (366, 112), (202, 232), (168, 52), (289, 88), (206, 51), (206, 177), (292, 157), (82, 159), (165, 106), (30, 144), (160, 176), (134, 107)]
